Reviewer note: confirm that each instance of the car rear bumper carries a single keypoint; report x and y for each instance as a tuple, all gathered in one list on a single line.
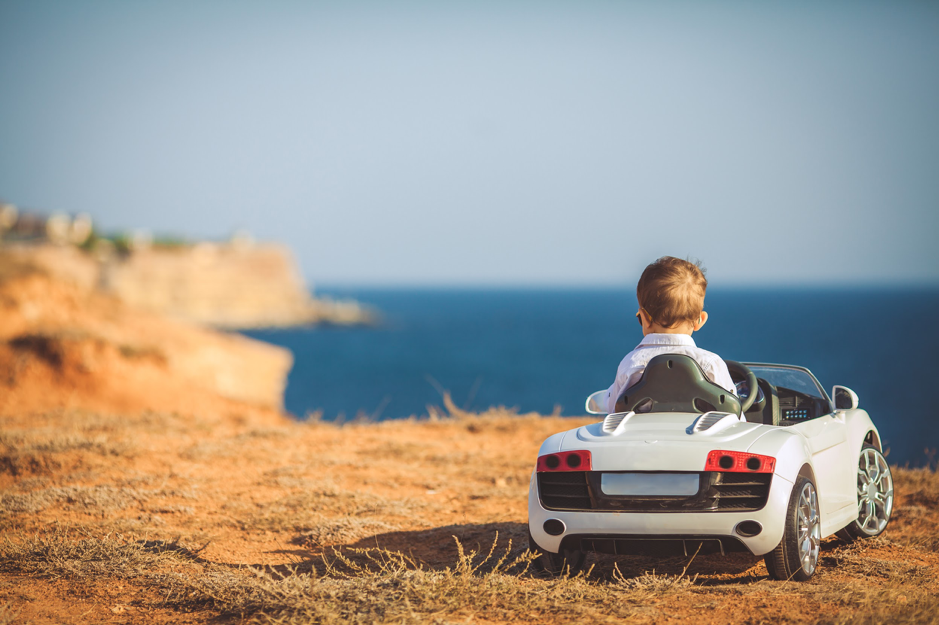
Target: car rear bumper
[(593, 530)]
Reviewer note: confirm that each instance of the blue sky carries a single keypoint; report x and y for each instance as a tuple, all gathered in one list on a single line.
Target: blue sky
[(502, 143)]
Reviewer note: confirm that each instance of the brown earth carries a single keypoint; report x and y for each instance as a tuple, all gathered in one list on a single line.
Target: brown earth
[(63, 345), (130, 493)]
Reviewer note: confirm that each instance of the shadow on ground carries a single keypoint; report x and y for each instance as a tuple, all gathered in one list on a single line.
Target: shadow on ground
[(439, 548)]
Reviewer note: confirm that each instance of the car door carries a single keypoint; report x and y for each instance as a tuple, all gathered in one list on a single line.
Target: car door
[(827, 437)]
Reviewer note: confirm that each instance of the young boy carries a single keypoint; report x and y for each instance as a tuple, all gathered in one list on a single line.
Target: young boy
[(671, 307)]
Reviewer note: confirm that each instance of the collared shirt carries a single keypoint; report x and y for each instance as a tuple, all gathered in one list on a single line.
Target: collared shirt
[(630, 369)]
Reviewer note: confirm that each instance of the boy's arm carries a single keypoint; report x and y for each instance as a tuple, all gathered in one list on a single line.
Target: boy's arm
[(620, 384), (612, 394), (720, 375)]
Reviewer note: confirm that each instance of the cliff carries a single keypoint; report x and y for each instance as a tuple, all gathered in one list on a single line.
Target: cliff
[(221, 285), (66, 345)]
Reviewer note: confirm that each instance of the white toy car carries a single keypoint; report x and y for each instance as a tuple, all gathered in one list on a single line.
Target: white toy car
[(684, 467)]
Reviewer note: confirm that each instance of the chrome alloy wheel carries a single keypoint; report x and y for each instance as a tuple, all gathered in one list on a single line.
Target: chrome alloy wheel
[(810, 528), (874, 492)]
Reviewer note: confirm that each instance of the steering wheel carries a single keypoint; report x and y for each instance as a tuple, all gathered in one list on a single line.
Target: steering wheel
[(743, 371)]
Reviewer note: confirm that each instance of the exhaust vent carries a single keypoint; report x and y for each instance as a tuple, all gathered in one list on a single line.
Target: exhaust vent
[(748, 529), (709, 420), (554, 527), (616, 422)]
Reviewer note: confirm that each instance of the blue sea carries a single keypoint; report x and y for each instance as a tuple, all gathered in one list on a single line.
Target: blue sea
[(546, 350)]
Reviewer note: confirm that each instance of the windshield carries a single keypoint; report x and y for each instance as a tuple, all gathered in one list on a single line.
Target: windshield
[(799, 380)]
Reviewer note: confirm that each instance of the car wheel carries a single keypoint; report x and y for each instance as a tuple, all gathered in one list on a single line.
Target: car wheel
[(570, 561), (874, 496), (796, 556)]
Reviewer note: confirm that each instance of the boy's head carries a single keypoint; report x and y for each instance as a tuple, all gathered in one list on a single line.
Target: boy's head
[(671, 293)]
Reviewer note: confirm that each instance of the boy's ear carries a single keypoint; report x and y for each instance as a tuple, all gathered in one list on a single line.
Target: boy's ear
[(701, 320)]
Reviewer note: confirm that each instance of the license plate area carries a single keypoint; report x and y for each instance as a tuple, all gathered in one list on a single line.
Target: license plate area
[(636, 484)]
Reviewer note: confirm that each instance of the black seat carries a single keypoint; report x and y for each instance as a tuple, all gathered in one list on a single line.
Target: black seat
[(676, 383)]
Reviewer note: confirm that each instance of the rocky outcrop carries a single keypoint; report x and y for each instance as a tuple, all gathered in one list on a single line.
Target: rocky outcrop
[(220, 285), (62, 344), (223, 285)]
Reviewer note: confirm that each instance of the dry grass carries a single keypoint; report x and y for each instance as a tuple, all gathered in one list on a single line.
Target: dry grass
[(491, 585), (76, 553), (41, 455), (97, 500), (344, 530), (316, 523), (8, 615)]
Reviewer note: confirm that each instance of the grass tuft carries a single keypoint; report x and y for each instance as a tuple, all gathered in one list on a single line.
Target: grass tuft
[(90, 499), (77, 554)]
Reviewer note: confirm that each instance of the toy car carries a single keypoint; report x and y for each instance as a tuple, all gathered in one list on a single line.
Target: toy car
[(684, 467)]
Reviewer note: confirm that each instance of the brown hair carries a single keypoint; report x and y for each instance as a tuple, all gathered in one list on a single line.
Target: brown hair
[(672, 290)]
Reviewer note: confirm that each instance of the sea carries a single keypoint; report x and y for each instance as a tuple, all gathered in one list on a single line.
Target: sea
[(545, 350)]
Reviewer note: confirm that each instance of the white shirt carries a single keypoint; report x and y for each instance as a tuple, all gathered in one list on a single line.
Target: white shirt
[(652, 345)]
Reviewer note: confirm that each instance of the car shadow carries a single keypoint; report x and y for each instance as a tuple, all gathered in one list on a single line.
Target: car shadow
[(485, 546), (439, 548)]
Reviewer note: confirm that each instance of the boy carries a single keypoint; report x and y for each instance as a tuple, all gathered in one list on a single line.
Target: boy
[(671, 307)]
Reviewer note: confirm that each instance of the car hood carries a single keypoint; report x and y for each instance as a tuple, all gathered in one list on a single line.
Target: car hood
[(658, 441)]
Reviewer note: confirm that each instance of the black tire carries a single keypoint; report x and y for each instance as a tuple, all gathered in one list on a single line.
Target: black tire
[(571, 561), (875, 496), (796, 556)]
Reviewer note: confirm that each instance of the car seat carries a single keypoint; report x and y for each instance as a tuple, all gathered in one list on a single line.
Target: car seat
[(676, 383)]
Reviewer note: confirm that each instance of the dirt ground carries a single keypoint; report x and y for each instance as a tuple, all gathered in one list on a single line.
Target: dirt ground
[(131, 492), (229, 492)]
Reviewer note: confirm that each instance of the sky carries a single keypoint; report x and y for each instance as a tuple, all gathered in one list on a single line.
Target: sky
[(491, 143)]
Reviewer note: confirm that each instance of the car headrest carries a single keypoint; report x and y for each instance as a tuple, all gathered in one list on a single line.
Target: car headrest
[(676, 383)]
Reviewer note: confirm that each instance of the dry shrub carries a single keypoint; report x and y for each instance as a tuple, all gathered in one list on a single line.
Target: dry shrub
[(655, 584)]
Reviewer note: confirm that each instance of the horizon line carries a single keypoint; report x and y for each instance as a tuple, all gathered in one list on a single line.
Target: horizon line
[(840, 285)]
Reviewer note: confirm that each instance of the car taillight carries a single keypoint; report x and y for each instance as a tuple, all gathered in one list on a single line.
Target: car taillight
[(565, 461), (739, 462)]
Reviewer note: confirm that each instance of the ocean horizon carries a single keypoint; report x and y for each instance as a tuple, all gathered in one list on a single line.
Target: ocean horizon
[(544, 349)]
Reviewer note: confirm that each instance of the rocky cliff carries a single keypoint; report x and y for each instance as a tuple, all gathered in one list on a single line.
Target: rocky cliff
[(222, 285), (63, 344)]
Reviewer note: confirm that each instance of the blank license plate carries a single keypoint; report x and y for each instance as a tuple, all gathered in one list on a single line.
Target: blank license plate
[(649, 484)]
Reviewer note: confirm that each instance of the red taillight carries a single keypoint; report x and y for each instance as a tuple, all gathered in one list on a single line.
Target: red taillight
[(739, 462), (565, 461)]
